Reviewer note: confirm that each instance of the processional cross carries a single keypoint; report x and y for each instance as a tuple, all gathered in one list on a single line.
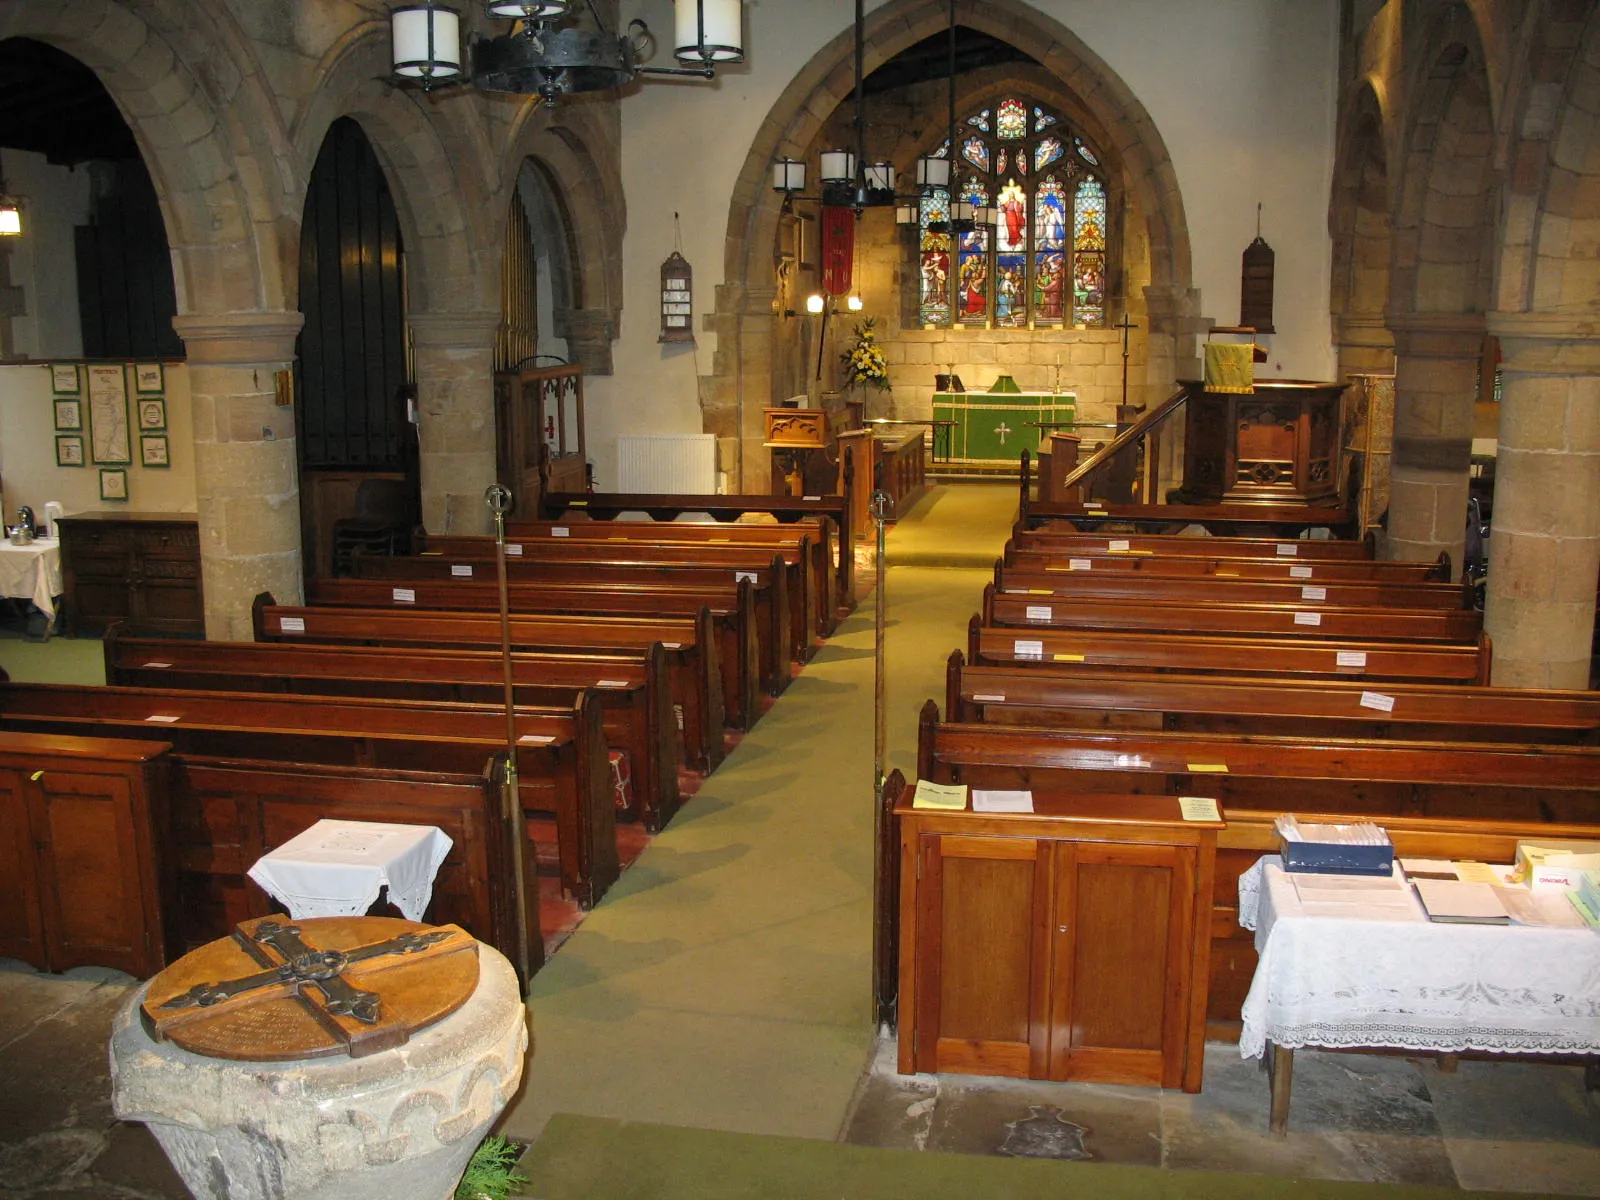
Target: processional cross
[(1127, 327)]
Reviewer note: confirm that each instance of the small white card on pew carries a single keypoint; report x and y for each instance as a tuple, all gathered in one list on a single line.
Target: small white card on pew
[(1378, 701), (1080, 564), (1351, 658), (951, 796), (560, 531), (1313, 593), (741, 576), (514, 549), (1118, 546), (811, 497), (461, 570), (535, 739), (162, 719), (1299, 572), (1040, 612), (611, 683), (1023, 648), (1308, 618), (156, 666), (1199, 808), (1001, 802), (405, 596), (983, 698), (291, 624), (1287, 549)]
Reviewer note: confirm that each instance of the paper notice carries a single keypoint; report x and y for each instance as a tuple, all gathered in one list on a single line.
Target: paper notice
[(1313, 593), (1287, 549), (461, 570), (1041, 591), (811, 497), (1080, 564), (156, 666), (405, 596), (513, 549), (1299, 572), (560, 531), (985, 698), (1351, 658), (291, 624), (1208, 768), (611, 683), (741, 576), (1199, 808), (1001, 802), (1378, 701), (1066, 657), (1119, 546), (1307, 618), (1040, 612), (1023, 648), (952, 796), (1477, 872), (161, 719), (534, 739)]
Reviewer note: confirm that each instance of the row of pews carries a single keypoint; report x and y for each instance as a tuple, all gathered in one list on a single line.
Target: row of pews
[(640, 652), (1274, 675)]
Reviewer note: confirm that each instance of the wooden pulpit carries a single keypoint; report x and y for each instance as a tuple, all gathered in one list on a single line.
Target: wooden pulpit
[(1277, 445)]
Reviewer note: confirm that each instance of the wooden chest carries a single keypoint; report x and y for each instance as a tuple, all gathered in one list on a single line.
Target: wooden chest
[(142, 567)]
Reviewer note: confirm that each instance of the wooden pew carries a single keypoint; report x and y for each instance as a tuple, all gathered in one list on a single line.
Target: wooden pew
[(822, 533), (748, 665), (659, 507), (1437, 799), (1168, 565), (693, 673), (1229, 589), (775, 604), (1089, 697), (633, 690), (227, 813), (625, 562), (1306, 658), (561, 754), (1213, 618), (1072, 542)]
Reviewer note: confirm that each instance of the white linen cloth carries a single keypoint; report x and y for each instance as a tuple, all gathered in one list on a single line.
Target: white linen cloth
[(337, 868), (32, 572), (1412, 984)]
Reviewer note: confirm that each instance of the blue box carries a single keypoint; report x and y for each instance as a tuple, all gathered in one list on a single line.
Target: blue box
[(1336, 858)]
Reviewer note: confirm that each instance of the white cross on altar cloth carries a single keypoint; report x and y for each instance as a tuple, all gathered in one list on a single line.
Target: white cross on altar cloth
[(1002, 429)]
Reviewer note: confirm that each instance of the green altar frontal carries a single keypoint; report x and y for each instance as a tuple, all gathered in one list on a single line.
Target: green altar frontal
[(992, 429)]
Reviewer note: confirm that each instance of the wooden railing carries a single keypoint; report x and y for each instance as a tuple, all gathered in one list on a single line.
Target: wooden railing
[(1118, 465)]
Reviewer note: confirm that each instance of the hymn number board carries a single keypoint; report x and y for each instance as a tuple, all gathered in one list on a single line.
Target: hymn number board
[(677, 303)]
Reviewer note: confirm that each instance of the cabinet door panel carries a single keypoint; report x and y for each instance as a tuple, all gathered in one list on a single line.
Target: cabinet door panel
[(983, 953), (21, 928)]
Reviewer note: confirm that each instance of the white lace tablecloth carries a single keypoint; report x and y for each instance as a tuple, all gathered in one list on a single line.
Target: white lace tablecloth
[(1342, 982), (32, 572), (337, 868)]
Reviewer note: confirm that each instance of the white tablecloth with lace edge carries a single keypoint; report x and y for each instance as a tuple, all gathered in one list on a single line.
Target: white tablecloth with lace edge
[(338, 868), (1338, 982)]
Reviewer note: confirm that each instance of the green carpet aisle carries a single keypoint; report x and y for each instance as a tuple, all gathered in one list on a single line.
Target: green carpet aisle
[(60, 660), (724, 982)]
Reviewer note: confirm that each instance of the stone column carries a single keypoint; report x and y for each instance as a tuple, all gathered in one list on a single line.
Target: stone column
[(1545, 549), (1365, 345), (246, 469), (734, 397), (455, 417), (589, 333), (1436, 370)]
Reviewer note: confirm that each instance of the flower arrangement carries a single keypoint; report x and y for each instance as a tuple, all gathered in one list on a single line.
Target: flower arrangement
[(864, 361)]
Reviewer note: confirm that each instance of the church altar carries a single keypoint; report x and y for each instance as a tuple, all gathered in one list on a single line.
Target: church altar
[(992, 429)]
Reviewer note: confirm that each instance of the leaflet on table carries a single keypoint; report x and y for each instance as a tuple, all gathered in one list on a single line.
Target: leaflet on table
[(991, 801), (1368, 898), (948, 796), (1456, 902)]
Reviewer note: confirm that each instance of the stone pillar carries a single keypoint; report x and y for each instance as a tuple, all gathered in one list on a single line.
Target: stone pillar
[(589, 333), (734, 397), (1436, 370), (1365, 345), (246, 468), (1545, 549), (455, 417)]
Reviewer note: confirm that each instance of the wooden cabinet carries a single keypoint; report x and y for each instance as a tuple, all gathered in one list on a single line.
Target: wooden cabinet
[(79, 884), (1068, 945), (139, 567)]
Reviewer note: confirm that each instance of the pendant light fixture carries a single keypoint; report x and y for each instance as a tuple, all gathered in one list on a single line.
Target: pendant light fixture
[(964, 215)]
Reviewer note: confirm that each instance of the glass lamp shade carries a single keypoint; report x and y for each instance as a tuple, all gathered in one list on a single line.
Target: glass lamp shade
[(985, 215), (815, 303), (709, 31), (880, 176), (961, 210), (933, 172), (527, 10), (838, 166), (788, 175), (10, 217), (426, 41), (907, 214)]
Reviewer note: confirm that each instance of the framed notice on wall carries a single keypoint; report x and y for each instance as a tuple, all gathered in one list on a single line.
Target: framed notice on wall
[(108, 414), (677, 300), (64, 379)]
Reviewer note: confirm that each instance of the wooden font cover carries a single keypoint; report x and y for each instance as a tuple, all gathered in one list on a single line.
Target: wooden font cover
[(278, 989)]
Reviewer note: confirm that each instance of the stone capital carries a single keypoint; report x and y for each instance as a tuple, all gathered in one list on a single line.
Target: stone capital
[(589, 333), (238, 339), (1560, 327), (454, 330), (1437, 335), (1362, 329)]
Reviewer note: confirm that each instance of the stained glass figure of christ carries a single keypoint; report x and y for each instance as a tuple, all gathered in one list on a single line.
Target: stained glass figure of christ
[(1044, 264)]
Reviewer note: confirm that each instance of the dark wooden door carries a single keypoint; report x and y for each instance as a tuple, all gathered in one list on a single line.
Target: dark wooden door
[(21, 925)]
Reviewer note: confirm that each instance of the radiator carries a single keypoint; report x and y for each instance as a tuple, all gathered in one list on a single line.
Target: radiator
[(670, 463)]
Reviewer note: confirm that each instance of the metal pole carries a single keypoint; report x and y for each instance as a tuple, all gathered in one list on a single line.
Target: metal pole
[(499, 500), (880, 513)]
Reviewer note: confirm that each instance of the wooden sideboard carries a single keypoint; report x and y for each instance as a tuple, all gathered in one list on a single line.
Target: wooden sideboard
[(140, 567), (1072, 944), (79, 884)]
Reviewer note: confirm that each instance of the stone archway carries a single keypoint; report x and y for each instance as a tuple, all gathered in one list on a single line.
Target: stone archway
[(1440, 282), (1359, 221), (733, 397)]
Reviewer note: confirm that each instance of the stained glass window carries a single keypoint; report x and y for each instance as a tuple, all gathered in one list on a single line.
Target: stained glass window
[(1011, 121), (1044, 261), (1089, 254)]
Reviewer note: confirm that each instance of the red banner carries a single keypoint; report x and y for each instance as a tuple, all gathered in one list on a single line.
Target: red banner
[(838, 249)]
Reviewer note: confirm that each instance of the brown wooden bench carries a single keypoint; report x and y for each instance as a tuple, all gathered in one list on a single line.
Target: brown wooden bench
[(693, 673), (1194, 654), (227, 813), (1305, 620), (1091, 697), (1230, 589), (633, 692), (748, 665), (723, 510), (1060, 541), (1169, 565), (1437, 799), (561, 755), (821, 532), (642, 562)]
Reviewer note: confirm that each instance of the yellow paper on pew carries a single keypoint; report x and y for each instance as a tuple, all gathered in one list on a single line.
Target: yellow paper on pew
[(1477, 872), (1199, 808), (951, 796), (1208, 768), (1067, 657), (1141, 551), (1040, 592)]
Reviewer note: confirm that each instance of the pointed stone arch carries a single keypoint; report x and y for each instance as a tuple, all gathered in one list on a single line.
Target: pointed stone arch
[(733, 396)]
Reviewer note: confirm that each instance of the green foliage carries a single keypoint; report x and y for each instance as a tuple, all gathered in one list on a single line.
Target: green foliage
[(491, 1174)]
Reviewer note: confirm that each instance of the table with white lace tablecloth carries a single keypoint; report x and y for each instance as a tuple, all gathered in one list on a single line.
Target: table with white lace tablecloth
[(1394, 979), (32, 572), (338, 868)]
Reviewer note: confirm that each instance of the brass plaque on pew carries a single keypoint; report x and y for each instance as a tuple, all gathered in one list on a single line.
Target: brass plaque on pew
[(279, 989)]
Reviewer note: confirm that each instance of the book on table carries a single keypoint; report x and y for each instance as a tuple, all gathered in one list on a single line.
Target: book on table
[(1454, 901)]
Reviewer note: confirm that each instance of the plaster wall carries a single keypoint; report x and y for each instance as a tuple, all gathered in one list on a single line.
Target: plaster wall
[(43, 262), (1242, 91)]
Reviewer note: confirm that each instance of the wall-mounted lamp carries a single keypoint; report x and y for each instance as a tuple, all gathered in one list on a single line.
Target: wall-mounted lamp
[(10, 211)]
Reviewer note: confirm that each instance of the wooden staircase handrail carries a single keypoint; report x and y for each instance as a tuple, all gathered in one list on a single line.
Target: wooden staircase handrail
[(1124, 439)]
